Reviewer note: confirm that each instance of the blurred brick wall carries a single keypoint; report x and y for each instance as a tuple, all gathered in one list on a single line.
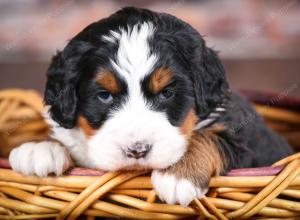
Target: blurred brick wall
[(258, 40), (239, 29)]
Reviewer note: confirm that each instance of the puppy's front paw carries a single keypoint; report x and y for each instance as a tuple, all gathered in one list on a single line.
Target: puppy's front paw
[(40, 158), (173, 190)]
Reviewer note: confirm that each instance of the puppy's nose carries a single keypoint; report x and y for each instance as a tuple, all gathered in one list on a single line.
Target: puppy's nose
[(138, 150)]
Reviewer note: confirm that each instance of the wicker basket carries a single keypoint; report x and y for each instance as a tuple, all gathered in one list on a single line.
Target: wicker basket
[(263, 193)]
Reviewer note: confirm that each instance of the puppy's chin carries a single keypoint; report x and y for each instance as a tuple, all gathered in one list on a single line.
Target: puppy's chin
[(126, 165), (110, 156), (136, 167), (159, 158), (162, 155), (105, 152)]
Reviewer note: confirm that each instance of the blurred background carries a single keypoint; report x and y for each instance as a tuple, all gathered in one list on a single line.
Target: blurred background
[(258, 41)]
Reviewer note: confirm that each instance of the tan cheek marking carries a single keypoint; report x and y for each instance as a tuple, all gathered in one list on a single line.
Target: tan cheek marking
[(108, 81), (159, 79), (189, 123), (202, 159), (83, 124)]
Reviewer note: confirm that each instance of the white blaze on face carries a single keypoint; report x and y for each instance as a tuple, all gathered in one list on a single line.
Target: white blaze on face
[(135, 121)]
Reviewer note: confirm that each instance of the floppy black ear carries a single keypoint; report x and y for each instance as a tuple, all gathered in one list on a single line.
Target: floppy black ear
[(210, 84), (60, 93), (62, 77)]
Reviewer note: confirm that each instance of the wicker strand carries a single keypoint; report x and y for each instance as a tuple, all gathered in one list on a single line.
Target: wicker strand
[(4, 105), (203, 210), (32, 199), (84, 194), (286, 160), (152, 207), (118, 211), (9, 109), (272, 194), (34, 216), (278, 114), (276, 203), (24, 207), (266, 191), (291, 193), (8, 211), (151, 197), (140, 193), (213, 209), (30, 97), (266, 211), (101, 191)]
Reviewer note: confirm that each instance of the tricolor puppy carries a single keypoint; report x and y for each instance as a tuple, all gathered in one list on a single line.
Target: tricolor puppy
[(140, 90)]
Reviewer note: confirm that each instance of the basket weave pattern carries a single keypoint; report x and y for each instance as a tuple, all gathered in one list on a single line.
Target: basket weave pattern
[(262, 192)]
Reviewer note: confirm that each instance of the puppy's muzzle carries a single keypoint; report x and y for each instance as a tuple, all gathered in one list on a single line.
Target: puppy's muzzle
[(138, 150)]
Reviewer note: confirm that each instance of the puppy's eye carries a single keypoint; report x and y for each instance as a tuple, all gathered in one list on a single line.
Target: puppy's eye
[(167, 93), (105, 97)]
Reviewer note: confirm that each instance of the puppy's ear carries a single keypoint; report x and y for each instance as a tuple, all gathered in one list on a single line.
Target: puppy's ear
[(60, 93), (210, 85)]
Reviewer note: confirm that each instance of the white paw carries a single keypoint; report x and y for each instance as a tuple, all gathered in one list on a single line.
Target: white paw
[(173, 190), (40, 158)]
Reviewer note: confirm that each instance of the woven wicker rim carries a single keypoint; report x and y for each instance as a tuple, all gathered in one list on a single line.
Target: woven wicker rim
[(71, 196)]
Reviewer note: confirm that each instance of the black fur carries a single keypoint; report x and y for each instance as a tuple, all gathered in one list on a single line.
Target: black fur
[(199, 82), (254, 143)]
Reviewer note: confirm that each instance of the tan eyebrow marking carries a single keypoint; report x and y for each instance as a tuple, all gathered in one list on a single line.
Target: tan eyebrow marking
[(159, 79), (108, 81)]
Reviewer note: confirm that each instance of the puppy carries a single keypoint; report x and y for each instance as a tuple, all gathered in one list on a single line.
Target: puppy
[(140, 90)]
